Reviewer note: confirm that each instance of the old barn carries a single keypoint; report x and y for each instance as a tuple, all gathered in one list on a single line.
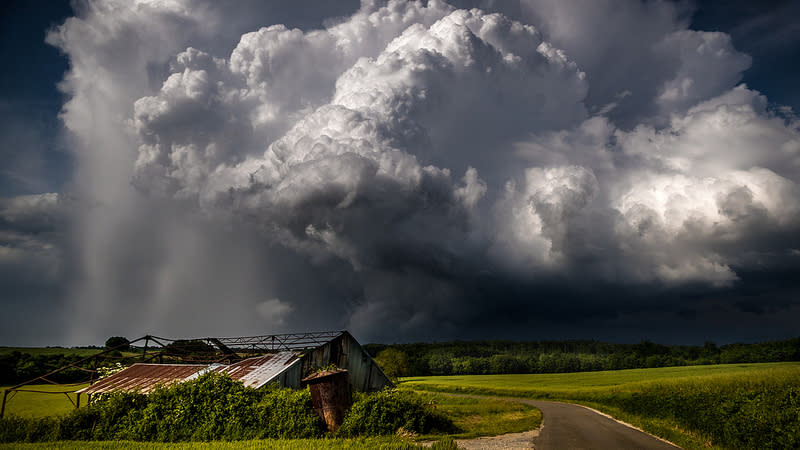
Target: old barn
[(255, 361)]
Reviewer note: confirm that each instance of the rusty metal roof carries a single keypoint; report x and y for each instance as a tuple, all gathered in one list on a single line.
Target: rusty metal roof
[(258, 371), (252, 372), (143, 378)]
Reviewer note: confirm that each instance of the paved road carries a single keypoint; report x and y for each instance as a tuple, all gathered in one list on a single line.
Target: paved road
[(570, 427), (574, 427)]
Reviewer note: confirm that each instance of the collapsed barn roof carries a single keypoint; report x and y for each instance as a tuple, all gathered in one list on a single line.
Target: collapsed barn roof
[(142, 377), (288, 359)]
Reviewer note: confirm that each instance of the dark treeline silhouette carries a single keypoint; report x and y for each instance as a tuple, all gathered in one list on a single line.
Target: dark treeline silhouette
[(505, 357)]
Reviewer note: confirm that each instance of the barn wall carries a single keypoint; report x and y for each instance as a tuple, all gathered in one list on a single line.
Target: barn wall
[(291, 377), (344, 351)]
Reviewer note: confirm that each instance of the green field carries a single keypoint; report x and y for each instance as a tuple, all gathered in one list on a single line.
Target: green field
[(35, 404), (553, 385), (723, 406)]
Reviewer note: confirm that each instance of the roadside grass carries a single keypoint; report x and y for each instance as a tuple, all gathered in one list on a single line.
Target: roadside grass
[(383, 443), (35, 404), (483, 417), (729, 406)]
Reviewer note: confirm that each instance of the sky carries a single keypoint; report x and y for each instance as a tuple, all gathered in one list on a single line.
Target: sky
[(409, 171)]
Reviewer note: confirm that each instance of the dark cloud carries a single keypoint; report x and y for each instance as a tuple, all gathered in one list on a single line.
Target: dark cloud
[(411, 170)]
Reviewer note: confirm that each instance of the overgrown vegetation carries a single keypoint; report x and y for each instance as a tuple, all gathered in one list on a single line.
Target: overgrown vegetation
[(507, 357), (388, 411), (215, 407), (740, 406)]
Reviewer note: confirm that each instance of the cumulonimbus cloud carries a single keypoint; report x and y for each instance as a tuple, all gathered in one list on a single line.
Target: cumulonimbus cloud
[(407, 150)]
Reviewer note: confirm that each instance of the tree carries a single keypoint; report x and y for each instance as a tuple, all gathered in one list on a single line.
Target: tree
[(394, 362), (192, 347), (117, 341)]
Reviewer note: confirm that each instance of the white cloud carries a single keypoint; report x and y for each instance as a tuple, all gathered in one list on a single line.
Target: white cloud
[(274, 311)]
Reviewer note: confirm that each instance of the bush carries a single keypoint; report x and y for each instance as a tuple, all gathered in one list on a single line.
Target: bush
[(212, 407), (385, 412)]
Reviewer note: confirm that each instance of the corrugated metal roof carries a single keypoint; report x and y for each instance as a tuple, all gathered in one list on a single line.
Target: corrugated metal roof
[(258, 371), (143, 378), (252, 372)]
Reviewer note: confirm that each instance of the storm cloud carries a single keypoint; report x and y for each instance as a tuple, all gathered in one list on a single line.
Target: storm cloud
[(417, 170)]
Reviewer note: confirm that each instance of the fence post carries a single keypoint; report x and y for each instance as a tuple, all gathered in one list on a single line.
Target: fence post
[(3, 408)]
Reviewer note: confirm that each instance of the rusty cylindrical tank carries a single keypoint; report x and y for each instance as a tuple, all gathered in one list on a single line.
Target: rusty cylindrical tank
[(330, 396)]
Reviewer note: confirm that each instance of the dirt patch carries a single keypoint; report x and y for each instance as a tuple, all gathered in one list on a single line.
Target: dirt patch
[(506, 441)]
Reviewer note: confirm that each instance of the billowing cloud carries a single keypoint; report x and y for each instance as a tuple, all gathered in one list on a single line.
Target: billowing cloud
[(417, 169)]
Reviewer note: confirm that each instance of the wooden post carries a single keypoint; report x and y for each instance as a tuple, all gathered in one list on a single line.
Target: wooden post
[(3, 409), (146, 341)]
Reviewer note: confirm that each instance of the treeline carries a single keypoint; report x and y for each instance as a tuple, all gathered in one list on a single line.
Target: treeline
[(506, 357)]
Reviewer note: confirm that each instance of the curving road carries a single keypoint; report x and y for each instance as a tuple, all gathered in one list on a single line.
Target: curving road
[(567, 426), (571, 427)]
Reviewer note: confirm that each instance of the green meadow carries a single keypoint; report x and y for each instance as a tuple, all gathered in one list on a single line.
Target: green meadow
[(37, 404), (724, 406)]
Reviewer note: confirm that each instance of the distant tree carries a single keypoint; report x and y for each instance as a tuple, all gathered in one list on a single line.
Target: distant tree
[(394, 362), (192, 347), (116, 341), (440, 363)]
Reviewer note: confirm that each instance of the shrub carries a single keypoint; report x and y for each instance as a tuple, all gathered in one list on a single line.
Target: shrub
[(212, 407), (383, 413)]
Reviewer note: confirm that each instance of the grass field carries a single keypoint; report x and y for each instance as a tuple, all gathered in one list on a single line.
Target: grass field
[(384, 443), (34, 404), (555, 385), (723, 406)]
